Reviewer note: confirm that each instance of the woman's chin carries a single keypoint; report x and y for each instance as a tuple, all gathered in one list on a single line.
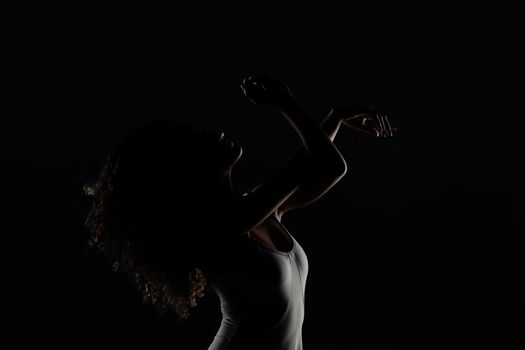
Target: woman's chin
[(236, 155), (239, 150)]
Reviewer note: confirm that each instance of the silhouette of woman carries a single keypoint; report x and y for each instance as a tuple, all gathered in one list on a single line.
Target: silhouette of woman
[(166, 213)]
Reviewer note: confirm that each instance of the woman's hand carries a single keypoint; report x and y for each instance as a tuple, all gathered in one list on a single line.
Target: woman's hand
[(265, 90), (364, 119)]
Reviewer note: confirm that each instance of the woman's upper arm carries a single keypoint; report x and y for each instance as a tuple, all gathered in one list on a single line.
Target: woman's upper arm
[(255, 206)]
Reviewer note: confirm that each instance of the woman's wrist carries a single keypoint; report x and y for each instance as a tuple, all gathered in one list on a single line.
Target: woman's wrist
[(331, 124)]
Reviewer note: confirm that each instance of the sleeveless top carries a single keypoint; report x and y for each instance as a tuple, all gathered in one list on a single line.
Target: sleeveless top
[(262, 295)]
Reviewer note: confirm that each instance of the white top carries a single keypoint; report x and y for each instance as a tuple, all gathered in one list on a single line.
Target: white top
[(261, 291)]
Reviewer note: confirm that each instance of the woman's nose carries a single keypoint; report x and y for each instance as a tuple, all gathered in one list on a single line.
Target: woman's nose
[(221, 135)]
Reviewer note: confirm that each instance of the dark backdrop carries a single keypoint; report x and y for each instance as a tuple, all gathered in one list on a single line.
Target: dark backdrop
[(417, 247)]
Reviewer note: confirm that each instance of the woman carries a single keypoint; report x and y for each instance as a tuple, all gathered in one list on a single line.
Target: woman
[(165, 211)]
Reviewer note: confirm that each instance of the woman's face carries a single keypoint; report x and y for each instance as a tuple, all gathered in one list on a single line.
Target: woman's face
[(224, 152)]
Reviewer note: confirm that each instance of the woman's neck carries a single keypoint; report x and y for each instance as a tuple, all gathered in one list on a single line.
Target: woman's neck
[(222, 188)]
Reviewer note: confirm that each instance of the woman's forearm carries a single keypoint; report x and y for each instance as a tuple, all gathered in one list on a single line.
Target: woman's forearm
[(330, 125), (317, 146)]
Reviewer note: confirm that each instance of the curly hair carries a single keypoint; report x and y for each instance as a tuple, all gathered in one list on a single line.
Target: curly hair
[(140, 217)]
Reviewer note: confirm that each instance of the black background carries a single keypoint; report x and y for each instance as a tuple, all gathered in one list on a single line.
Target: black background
[(416, 247)]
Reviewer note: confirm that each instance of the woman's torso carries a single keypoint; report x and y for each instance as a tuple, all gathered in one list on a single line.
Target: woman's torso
[(260, 279)]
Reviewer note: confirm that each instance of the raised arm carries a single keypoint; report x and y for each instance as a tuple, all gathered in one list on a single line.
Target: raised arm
[(322, 157), (313, 187)]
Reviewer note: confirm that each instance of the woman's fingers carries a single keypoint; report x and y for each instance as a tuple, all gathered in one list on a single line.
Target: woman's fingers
[(388, 132), (388, 127), (383, 126), (368, 125), (372, 124), (380, 123), (355, 127), (377, 125)]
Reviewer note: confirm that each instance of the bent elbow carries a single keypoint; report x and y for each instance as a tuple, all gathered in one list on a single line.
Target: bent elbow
[(328, 167), (343, 173), (335, 170), (339, 165), (340, 169)]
